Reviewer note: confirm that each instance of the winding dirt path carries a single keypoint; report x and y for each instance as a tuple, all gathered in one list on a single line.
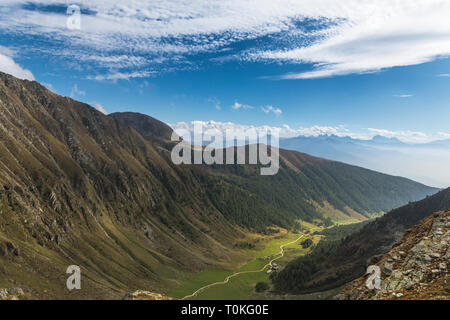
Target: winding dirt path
[(227, 279)]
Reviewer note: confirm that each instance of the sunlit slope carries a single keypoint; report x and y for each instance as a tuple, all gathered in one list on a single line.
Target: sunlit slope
[(80, 187)]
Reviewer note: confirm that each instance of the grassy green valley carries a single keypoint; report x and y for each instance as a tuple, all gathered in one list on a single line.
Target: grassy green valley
[(242, 286)]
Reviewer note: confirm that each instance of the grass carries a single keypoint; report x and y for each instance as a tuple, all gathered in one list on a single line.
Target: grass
[(321, 295), (238, 288), (242, 286)]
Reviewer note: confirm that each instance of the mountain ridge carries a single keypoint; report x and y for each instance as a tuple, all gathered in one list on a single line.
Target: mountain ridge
[(80, 187), (424, 162)]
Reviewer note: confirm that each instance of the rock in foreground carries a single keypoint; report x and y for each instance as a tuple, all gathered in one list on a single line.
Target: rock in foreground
[(415, 268), (145, 295)]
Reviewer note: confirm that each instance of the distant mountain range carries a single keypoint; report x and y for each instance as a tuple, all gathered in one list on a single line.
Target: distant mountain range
[(80, 187), (427, 163)]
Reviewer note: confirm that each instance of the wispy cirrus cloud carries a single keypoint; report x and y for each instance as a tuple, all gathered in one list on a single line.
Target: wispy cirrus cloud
[(121, 76), (371, 37), (333, 37), (402, 95)]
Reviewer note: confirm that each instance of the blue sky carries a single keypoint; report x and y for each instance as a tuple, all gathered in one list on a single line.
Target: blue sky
[(311, 67)]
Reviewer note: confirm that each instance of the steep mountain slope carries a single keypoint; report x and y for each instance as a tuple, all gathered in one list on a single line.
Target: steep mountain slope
[(78, 187), (333, 264), (415, 268), (309, 186)]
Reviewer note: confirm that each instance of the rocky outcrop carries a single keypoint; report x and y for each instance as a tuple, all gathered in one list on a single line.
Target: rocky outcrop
[(145, 295), (8, 248), (415, 268), (11, 294)]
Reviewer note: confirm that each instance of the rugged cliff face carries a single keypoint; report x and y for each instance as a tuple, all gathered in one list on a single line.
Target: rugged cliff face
[(78, 187), (415, 268)]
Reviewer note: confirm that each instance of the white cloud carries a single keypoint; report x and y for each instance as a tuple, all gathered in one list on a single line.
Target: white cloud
[(76, 92), (352, 36), (265, 109), (402, 95), (269, 109), (118, 61), (7, 51), (444, 75), (405, 136), (286, 131), (8, 65), (373, 35), (99, 107), (238, 106), (121, 76)]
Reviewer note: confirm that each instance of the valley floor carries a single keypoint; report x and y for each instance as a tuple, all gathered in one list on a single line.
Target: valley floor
[(221, 284)]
